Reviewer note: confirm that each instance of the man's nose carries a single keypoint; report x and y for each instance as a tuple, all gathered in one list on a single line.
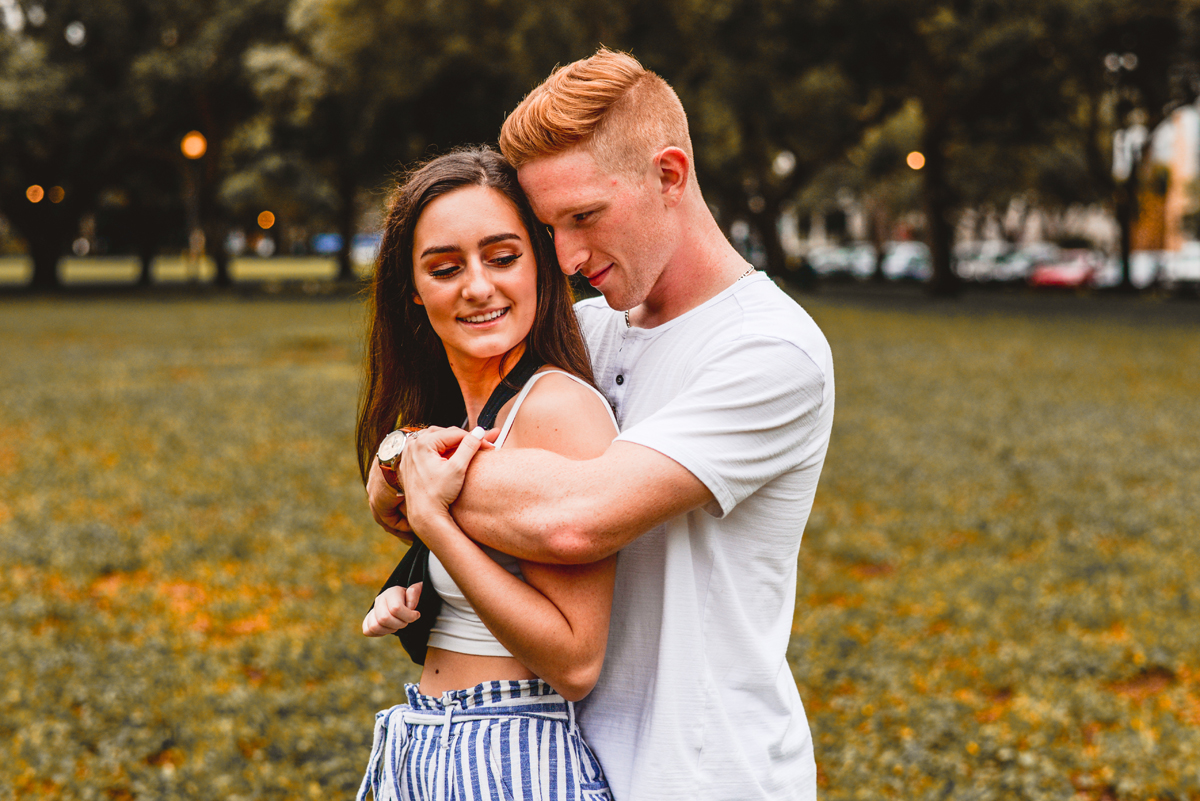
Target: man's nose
[(572, 254)]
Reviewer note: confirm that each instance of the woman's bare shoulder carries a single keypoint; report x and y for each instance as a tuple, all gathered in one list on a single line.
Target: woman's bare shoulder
[(562, 415)]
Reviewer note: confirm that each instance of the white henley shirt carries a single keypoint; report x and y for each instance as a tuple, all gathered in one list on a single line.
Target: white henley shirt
[(696, 699)]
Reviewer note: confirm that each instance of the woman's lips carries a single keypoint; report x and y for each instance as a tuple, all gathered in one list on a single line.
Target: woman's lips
[(484, 318)]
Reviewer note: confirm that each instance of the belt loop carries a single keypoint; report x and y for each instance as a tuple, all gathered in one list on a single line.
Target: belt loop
[(446, 726)]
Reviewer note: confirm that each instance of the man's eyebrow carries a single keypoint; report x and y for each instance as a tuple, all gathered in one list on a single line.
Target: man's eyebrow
[(590, 205)]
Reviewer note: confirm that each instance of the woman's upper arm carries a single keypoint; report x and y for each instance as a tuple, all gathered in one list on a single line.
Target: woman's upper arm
[(561, 415)]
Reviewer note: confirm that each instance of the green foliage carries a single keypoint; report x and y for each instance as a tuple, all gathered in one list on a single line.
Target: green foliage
[(310, 105)]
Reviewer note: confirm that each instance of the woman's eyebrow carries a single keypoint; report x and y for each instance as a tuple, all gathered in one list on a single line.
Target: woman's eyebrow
[(438, 249), (494, 238)]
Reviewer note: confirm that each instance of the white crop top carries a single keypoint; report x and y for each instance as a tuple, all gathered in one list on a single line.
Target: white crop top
[(458, 627)]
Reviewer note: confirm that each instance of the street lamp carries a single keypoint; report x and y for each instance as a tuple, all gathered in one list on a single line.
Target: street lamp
[(193, 146), (1128, 144)]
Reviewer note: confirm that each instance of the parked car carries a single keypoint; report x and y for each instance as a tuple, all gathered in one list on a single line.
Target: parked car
[(907, 261), (1182, 269), (856, 260), (1075, 268), (1146, 267)]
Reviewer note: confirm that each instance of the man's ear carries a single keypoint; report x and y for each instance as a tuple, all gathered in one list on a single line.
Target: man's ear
[(674, 173)]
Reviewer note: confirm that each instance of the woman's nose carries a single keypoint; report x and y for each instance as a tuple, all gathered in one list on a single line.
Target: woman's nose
[(479, 284)]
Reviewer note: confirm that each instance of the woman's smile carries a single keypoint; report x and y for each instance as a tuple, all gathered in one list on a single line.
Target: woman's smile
[(484, 317)]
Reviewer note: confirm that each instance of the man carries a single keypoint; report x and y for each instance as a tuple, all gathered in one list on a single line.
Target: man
[(724, 390)]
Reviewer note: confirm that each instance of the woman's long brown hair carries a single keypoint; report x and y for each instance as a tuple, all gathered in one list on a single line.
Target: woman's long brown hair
[(407, 379)]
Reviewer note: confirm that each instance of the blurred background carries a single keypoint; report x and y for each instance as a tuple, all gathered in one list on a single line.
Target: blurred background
[(1016, 141), (997, 586)]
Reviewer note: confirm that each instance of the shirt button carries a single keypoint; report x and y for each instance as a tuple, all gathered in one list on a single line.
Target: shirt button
[(620, 379)]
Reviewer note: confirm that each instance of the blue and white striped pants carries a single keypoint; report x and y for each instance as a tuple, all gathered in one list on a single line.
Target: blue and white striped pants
[(503, 740)]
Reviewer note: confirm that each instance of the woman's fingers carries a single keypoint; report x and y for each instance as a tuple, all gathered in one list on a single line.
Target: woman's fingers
[(432, 481), (392, 610), (413, 595), (468, 446), (385, 502)]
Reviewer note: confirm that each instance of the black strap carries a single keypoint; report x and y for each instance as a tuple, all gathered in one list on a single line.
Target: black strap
[(508, 387), (414, 566)]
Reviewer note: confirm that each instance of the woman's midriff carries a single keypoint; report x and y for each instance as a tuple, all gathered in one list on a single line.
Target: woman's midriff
[(447, 670)]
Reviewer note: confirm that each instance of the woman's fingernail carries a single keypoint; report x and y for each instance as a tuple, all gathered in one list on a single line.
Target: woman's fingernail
[(477, 432)]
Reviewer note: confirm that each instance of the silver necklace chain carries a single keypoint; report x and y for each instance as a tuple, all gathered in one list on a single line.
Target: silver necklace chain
[(739, 278)]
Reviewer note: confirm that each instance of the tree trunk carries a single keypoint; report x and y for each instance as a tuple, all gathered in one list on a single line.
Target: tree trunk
[(1126, 211), (221, 275), (347, 226), (45, 252), (875, 227), (939, 232), (766, 223)]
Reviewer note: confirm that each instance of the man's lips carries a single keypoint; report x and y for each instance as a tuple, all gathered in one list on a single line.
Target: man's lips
[(595, 278)]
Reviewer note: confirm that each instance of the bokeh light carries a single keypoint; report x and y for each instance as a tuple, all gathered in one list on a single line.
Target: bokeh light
[(915, 160), (56, 194), (194, 145), (35, 194), (75, 34), (266, 220)]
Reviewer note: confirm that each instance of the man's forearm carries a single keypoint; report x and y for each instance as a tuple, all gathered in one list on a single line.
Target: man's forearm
[(528, 503), (543, 507)]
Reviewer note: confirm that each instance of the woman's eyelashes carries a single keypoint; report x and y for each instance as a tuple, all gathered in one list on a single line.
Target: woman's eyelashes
[(500, 260)]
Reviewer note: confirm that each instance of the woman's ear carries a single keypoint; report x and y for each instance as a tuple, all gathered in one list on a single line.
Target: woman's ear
[(417, 299)]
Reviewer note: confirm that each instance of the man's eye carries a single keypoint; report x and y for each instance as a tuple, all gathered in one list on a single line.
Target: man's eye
[(583, 216)]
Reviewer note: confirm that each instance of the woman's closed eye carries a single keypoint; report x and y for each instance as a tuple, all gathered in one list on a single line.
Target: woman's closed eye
[(443, 271)]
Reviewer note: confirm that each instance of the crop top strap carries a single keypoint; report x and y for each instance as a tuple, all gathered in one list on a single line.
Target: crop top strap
[(512, 415)]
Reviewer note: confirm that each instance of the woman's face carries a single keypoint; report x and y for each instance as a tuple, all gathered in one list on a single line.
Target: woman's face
[(475, 274)]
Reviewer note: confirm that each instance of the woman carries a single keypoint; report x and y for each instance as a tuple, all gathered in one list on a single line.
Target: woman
[(466, 285)]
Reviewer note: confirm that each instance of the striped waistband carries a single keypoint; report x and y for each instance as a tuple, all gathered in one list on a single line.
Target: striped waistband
[(494, 700)]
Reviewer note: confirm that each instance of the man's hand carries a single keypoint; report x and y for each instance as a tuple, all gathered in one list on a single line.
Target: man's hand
[(394, 609)]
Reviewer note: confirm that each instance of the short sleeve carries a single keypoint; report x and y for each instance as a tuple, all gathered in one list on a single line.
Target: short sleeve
[(752, 410)]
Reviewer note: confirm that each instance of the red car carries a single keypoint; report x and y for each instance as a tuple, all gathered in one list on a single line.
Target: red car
[(1076, 268)]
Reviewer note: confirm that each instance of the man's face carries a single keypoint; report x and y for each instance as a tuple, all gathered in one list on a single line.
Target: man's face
[(610, 228)]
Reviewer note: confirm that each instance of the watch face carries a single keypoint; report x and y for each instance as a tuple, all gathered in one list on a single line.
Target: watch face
[(392, 446)]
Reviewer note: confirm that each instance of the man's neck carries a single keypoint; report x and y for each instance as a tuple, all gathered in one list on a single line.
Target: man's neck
[(703, 267)]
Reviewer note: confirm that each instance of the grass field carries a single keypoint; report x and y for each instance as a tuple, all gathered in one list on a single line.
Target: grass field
[(997, 592), (16, 271)]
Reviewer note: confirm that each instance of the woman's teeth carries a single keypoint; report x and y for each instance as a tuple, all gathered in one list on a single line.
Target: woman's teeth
[(483, 318)]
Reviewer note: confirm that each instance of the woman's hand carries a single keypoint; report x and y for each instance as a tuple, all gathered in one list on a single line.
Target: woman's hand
[(387, 505), (432, 480), (394, 609)]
